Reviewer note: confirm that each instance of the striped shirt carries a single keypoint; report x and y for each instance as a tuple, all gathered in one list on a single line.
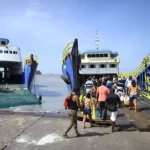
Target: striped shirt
[(120, 85), (89, 84)]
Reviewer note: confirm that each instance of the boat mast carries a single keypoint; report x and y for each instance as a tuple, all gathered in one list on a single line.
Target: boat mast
[(97, 41)]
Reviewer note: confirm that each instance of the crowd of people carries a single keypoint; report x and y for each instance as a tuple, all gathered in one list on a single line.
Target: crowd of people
[(108, 95)]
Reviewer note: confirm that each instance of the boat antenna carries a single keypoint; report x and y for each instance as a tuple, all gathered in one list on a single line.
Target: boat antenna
[(97, 41)]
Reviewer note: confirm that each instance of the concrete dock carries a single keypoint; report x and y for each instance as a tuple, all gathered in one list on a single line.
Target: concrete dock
[(36, 131)]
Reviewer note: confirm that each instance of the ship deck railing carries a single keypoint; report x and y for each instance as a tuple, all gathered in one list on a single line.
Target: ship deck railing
[(66, 51), (27, 59), (139, 69)]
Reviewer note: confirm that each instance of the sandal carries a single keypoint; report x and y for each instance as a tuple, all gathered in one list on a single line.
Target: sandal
[(78, 134), (65, 136)]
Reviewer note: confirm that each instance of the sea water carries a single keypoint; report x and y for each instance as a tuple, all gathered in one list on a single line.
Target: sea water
[(53, 91)]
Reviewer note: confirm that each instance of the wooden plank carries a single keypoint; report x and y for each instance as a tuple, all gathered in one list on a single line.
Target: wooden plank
[(96, 121)]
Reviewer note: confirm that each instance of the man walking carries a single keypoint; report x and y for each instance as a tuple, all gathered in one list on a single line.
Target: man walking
[(72, 108), (111, 104), (101, 96)]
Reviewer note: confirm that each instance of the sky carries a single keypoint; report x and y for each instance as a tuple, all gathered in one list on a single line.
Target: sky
[(44, 27)]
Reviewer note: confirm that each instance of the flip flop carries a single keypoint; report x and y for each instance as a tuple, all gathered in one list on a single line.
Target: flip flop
[(65, 136), (78, 134)]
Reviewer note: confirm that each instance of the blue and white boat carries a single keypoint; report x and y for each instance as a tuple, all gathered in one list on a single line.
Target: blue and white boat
[(71, 65), (77, 66), (11, 65)]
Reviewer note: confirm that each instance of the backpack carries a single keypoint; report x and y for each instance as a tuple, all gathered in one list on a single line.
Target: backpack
[(66, 101)]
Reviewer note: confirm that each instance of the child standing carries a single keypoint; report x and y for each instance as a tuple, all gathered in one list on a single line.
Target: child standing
[(87, 109)]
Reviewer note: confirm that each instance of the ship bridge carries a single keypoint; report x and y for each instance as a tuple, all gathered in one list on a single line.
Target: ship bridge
[(99, 61), (4, 42)]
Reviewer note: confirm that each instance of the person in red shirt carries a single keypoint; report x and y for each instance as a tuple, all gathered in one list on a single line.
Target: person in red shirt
[(101, 95)]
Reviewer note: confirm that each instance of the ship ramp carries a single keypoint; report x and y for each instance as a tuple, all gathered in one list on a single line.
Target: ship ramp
[(22, 94), (141, 119), (142, 73), (17, 95)]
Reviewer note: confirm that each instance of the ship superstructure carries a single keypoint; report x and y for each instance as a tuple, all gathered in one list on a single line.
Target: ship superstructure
[(10, 62), (99, 61)]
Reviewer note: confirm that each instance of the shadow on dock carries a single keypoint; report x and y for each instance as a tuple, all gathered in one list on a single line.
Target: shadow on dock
[(90, 134)]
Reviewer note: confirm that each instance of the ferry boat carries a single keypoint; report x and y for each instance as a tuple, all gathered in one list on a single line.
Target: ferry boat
[(11, 65), (10, 62), (99, 62), (77, 66), (70, 65), (19, 78)]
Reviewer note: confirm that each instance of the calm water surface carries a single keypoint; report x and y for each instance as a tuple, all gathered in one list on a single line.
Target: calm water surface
[(53, 90)]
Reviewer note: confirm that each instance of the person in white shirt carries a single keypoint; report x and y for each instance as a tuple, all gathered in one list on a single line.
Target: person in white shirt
[(135, 79), (114, 79), (128, 84)]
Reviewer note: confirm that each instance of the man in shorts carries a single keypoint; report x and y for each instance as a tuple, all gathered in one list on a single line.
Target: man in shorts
[(112, 101)]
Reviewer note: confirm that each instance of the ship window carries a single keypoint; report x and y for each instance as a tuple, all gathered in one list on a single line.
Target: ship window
[(112, 65), (1, 51), (92, 66), (97, 55), (102, 66), (14, 52), (6, 52), (10, 52), (101, 55), (93, 55), (89, 55), (105, 55), (83, 66), (3, 43)]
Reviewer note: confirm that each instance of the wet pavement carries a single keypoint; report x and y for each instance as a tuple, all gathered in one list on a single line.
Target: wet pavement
[(42, 130)]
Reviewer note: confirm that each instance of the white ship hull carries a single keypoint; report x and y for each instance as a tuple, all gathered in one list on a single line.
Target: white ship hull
[(10, 61)]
